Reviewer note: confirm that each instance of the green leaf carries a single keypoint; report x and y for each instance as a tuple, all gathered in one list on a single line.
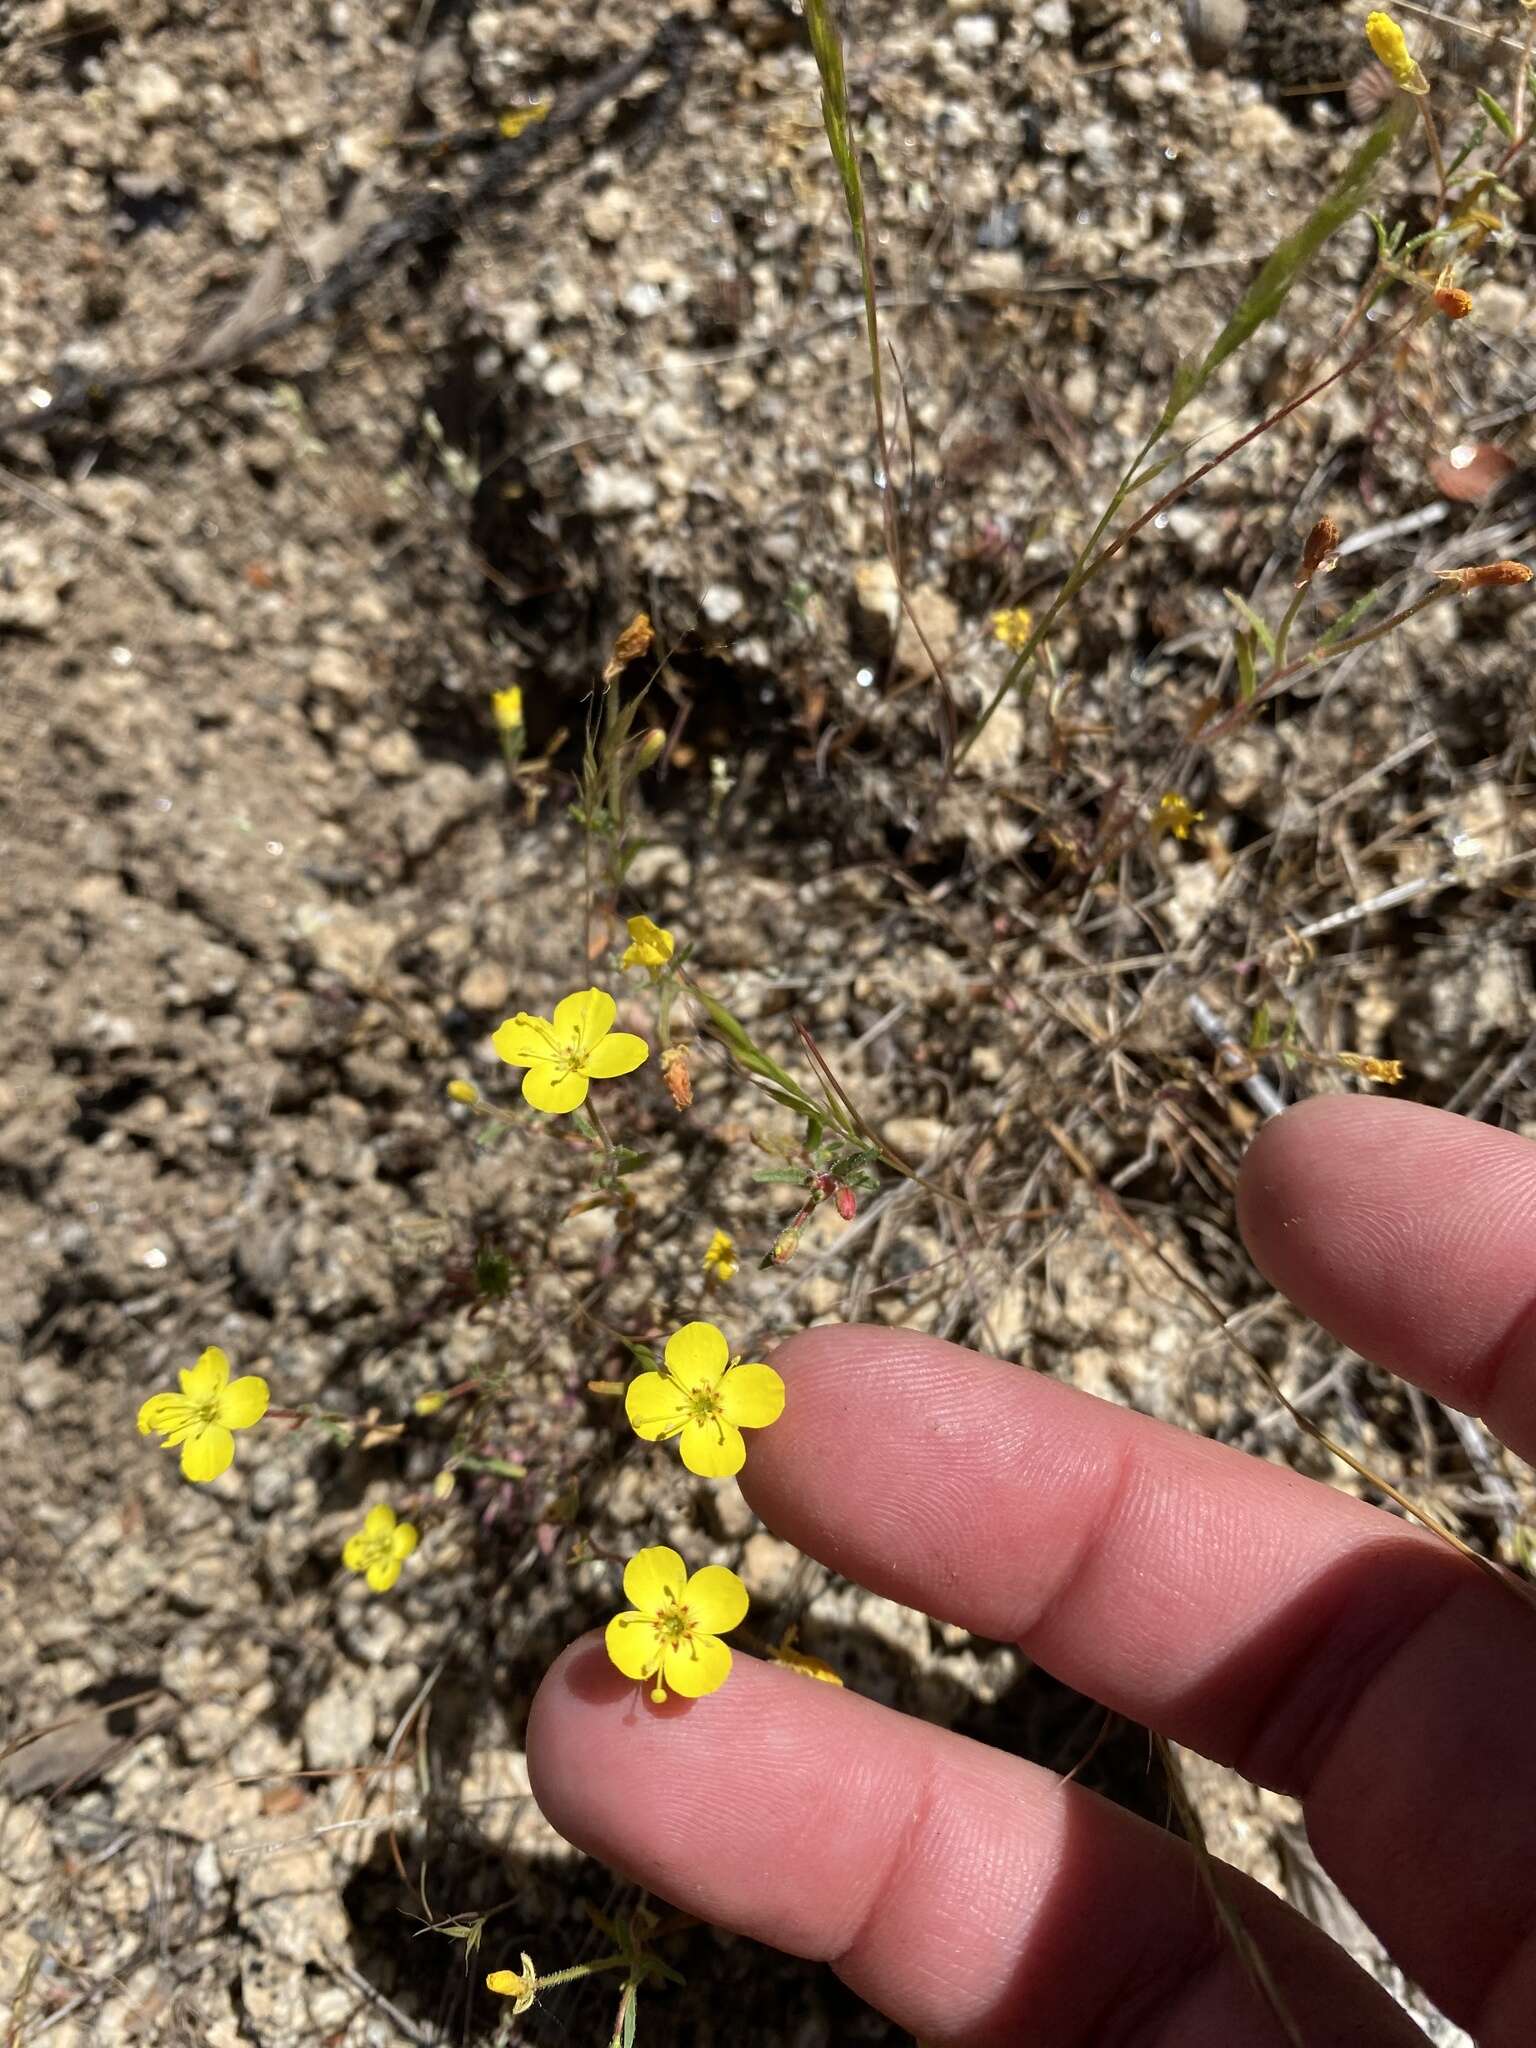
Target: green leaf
[(1344, 625), (1270, 289), (1246, 612), (1473, 141), (1247, 675), (780, 1176), (627, 1161), (584, 1126), (1496, 114), (1258, 1037)]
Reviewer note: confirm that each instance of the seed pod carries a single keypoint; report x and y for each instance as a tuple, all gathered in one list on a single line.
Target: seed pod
[(674, 1072), (1487, 576), (1321, 542), (1452, 301), (1214, 28)]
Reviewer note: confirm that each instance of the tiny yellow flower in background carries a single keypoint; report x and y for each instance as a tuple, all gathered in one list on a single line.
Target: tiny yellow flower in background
[(516, 119), (520, 1985), (1369, 1068), (704, 1399), (507, 708), (380, 1547), (649, 945), (201, 1416), (429, 1404), (720, 1260), (672, 1632), (1176, 814), (802, 1660), (1391, 48), (1014, 627), (562, 1057), (463, 1091)]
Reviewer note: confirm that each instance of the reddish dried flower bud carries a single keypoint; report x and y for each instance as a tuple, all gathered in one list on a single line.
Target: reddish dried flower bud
[(1321, 542), (847, 1203), (1452, 301), (1488, 576), (674, 1072)]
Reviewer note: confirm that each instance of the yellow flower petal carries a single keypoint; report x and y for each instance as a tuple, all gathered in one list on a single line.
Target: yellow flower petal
[(655, 1406), (244, 1401), (382, 1574), (356, 1552), (523, 1039), (583, 1019), (163, 1411), (713, 1450), (546, 1087), (378, 1521), (655, 1578), (632, 1643), (208, 1453), (752, 1396), (716, 1599), (619, 1053), (208, 1377), (696, 1667), (405, 1539), (697, 1355)]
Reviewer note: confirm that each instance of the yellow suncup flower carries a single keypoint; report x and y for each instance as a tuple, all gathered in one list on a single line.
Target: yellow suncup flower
[(380, 1547), (649, 945), (199, 1419), (564, 1056), (507, 708), (672, 1632), (704, 1399), (520, 1985), (720, 1260), (1391, 48), (1176, 814), (1014, 627)]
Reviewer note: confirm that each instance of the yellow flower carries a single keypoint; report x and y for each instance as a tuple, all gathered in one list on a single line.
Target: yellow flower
[(1014, 627), (380, 1547), (802, 1660), (706, 1400), (720, 1260), (202, 1415), (1176, 814), (1391, 48), (520, 1985), (463, 1091), (516, 119), (562, 1057), (649, 946), (1388, 1072), (430, 1404), (507, 708), (672, 1633)]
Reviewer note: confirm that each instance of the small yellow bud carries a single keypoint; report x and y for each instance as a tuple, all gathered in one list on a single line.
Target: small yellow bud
[(1391, 47), (514, 1984), (516, 119), (507, 708), (443, 1485), (1388, 1072), (430, 1404), (785, 1245), (651, 743), (462, 1091)]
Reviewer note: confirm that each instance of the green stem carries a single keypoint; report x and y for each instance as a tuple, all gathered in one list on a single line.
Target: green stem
[(1284, 632)]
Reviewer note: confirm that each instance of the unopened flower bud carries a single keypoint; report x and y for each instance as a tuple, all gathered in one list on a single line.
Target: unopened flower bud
[(651, 744), (847, 1202), (785, 1245), (1391, 47), (463, 1091)]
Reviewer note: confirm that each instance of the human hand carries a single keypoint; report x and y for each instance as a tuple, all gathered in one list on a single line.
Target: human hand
[(1322, 1647)]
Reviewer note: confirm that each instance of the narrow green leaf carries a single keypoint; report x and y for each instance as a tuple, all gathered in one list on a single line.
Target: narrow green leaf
[(1346, 623), (1247, 675), (1258, 1038), (1251, 618), (1496, 114)]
